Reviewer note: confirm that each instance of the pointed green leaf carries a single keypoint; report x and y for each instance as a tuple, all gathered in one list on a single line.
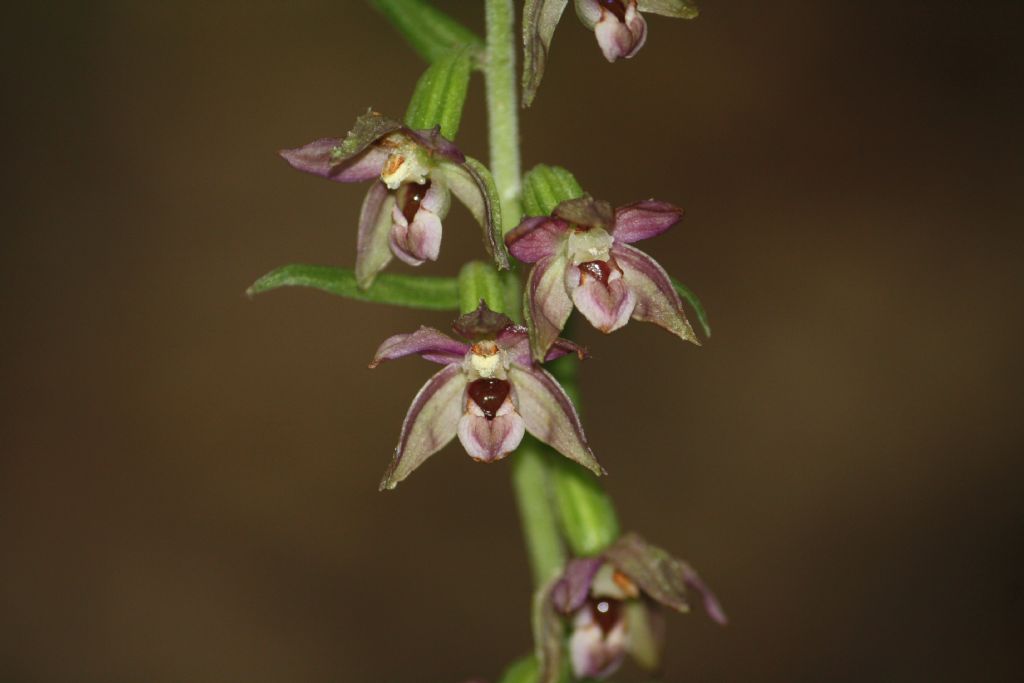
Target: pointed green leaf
[(440, 94), (698, 307), (545, 187), (429, 31), (540, 17), (431, 293)]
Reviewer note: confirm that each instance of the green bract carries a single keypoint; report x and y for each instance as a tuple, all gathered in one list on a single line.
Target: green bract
[(545, 187), (441, 93)]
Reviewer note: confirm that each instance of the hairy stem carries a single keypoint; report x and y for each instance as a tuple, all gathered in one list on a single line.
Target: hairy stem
[(503, 107), (531, 482)]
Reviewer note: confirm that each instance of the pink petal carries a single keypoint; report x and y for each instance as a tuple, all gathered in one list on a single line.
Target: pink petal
[(656, 299), (620, 40), (372, 250), (489, 440), (607, 306), (595, 654), (426, 342), (711, 604), (431, 422), (536, 238), (418, 242), (644, 219), (550, 416)]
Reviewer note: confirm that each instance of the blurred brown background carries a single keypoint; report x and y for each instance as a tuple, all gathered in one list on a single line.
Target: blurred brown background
[(189, 477)]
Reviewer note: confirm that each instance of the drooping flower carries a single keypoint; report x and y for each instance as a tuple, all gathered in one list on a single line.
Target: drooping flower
[(612, 605), (583, 257), (488, 393), (414, 174), (619, 26)]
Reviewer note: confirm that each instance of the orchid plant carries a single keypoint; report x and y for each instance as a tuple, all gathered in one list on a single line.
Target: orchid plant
[(507, 384)]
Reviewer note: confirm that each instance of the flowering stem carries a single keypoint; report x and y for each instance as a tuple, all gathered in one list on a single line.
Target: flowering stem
[(529, 467), (503, 107)]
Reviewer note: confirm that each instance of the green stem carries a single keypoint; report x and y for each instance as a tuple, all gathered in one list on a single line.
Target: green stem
[(503, 107), (531, 483), (529, 468)]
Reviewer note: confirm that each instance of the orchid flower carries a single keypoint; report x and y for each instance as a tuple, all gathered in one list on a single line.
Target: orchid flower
[(583, 257), (414, 174), (618, 25), (620, 28), (488, 394), (611, 603)]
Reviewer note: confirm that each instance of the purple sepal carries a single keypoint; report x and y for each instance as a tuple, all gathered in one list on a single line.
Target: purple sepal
[(361, 154), (427, 342), (372, 250), (550, 415), (536, 238), (645, 219), (320, 157), (546, 303), (656, 299), (432, 421), (658, 574), (573, 587), (540, 17), (436, 144), (563, 347), (711, 604)]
